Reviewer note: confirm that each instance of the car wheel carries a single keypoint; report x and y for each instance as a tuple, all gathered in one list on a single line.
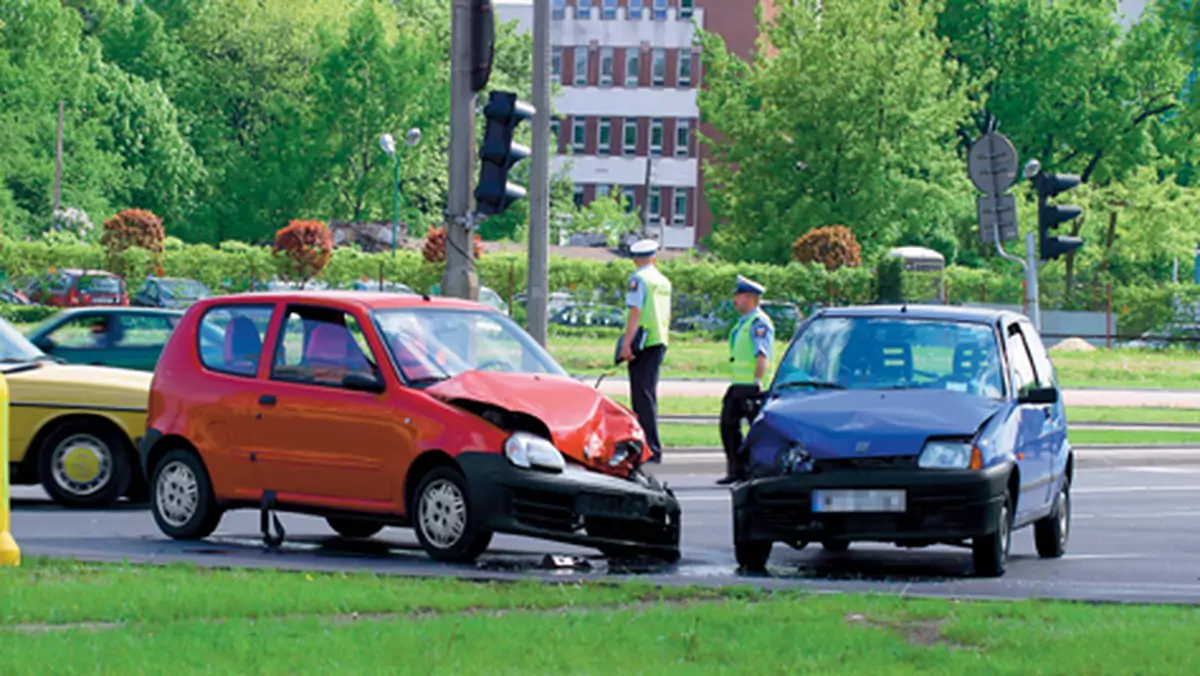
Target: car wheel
[(84, 465), (443, 518), (990, 552), (1051, 533), (753, 555), (836, 545), (354, 528), (182, 499)]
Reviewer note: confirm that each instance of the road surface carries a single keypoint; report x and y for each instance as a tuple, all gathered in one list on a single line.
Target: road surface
[(1135, 537)]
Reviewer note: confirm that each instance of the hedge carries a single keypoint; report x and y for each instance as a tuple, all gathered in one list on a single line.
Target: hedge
[(698, 285)]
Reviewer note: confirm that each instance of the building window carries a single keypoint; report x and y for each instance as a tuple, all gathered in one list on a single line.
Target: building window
[(655, 204), (679, 217), (684, 78), (559, 9), (656, 137), (629, 139), (602, 191), (605, 143), (581, 59), (631, 67), (683, 138), (584, 9), (610, 9), (606, 67), (556, 62), (660, 67), (554, 130), (635, 9), (578, 133), (686, 7), (578, 196), (660, 10)]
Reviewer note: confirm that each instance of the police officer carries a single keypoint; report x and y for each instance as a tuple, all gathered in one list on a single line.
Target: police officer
[(645, 340), (750, 352)]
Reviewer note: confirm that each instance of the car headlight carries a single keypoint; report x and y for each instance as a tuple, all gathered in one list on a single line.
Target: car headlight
[(529, 450), (950, 454), (792, 458), (625, 451)]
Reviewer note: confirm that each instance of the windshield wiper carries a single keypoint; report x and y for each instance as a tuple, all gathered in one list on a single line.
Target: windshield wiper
[(816, 384), (427, 380)]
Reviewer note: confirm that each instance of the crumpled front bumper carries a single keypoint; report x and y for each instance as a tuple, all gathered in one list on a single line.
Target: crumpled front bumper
[(576, 506), (941, 506)]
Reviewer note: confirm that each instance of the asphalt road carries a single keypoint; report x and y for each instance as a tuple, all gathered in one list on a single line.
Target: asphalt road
[(1136, 537)]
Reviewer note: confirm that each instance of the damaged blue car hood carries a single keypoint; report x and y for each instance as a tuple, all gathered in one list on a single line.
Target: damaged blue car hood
[(867, 423)]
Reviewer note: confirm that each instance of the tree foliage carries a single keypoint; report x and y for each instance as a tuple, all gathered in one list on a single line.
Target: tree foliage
[(434, 249), (306, 246), (132, 228), (833, 246)]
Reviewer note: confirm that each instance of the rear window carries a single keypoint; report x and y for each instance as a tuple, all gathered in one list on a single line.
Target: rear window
[(98, 284), (231, 338)]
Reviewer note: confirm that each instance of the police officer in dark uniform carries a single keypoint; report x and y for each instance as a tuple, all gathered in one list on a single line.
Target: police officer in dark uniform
[(751, 346)]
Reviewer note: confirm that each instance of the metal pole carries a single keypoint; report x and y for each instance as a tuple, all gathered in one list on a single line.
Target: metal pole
[(1031, 279), (537, 312), (459, 279), (396, 204)]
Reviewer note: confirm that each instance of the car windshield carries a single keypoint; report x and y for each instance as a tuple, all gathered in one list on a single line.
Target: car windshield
[(878, 353), (16, 348), (186, 289), (430, 344)]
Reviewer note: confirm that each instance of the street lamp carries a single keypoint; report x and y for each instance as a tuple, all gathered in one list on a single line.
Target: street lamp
[(388, 143)]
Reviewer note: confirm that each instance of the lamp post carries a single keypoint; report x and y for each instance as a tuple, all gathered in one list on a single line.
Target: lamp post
[(389, 146)]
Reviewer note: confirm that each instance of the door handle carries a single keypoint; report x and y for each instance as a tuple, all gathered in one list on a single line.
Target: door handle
[(267, 400)]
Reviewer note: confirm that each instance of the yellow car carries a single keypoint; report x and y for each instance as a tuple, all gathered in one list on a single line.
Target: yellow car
[(73, 428)]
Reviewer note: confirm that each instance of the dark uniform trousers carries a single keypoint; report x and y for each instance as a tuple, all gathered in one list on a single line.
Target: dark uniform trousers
[(643, 383), (736, 407)]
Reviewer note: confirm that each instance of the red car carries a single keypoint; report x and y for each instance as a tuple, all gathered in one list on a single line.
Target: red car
[(376, 410), (75, 288)]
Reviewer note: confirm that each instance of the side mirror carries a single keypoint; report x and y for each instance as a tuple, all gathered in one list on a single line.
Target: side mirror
[(362, 382), (45, 344), (1039, 395)]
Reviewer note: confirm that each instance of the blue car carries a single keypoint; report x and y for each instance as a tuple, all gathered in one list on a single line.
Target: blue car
[(914, 425)]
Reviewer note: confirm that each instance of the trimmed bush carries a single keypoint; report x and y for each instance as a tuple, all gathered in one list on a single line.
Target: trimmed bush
[(306, 247), (833, 246)]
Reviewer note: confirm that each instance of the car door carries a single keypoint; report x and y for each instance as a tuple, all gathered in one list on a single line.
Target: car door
[(140, 340), (81, 339), (1031, 424), (1053, 441), (316, 441)]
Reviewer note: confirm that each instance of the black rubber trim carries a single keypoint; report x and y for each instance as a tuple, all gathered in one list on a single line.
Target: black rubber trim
[(77, 407)]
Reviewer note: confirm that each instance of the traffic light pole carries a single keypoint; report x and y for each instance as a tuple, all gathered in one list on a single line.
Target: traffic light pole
[(1030, 263), (537, 312), (460, 280)]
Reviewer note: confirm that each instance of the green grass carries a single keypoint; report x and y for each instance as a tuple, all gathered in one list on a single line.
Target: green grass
[(699, 358), (176, 621), (707, 436)]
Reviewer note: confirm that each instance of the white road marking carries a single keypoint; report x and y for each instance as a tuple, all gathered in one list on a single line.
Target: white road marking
[(1096, 557), (1135, 489)]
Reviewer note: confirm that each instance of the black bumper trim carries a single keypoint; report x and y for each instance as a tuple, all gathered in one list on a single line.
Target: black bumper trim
[(577, 507), (941, 506), (144, 446)]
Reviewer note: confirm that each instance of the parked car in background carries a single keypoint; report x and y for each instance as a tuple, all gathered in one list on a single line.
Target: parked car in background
[(486, 296), (77, 288), (169, 292), (589, 315), (376, 410), (915, 425), (129, 338), (385, 287), (72, 428), (11, 295)]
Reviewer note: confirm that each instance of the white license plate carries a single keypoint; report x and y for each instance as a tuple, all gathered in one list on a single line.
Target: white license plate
[(827, 501)]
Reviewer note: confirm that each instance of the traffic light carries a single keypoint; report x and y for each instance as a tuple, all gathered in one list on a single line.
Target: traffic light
[(1051, 216), (498, 155), (483, 43)]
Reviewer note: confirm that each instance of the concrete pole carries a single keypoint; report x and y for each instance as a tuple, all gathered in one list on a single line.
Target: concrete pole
[(1031, 280), (537, 311), (459, 279), (58, 160)]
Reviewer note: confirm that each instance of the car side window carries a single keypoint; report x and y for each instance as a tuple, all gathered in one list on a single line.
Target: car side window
[(81, 332), (145, 330), (1024, 376), (231, 338), (1041, 360), (321, 347)]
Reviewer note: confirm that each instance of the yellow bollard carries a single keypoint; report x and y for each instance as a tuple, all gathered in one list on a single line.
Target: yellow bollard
[(10, 553)]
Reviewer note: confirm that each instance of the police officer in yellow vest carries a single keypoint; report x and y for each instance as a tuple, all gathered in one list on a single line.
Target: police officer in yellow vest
[(645, 341), (750, 352)]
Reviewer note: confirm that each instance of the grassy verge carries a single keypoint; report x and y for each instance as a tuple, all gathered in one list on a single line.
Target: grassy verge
[(700, 358), (223, 622), (707, 436)]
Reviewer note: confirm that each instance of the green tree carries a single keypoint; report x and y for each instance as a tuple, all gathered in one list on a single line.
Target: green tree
[(861, 93)]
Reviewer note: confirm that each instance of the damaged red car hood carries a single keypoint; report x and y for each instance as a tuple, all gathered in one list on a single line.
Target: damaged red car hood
[(583, 423)]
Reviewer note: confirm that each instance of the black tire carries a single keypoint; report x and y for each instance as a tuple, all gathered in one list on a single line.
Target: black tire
[(183, 513), (837, 546), (139, 490), (1051, 533), (989, 553), (753, 555), (439, 490), (97, 456), (353, 528)]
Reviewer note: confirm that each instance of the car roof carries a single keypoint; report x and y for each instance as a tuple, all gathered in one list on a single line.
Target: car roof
[(367, 300), (89, 272), (954, 313)]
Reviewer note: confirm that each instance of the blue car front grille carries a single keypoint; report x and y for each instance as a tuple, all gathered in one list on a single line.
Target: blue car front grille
[(887, 462)]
